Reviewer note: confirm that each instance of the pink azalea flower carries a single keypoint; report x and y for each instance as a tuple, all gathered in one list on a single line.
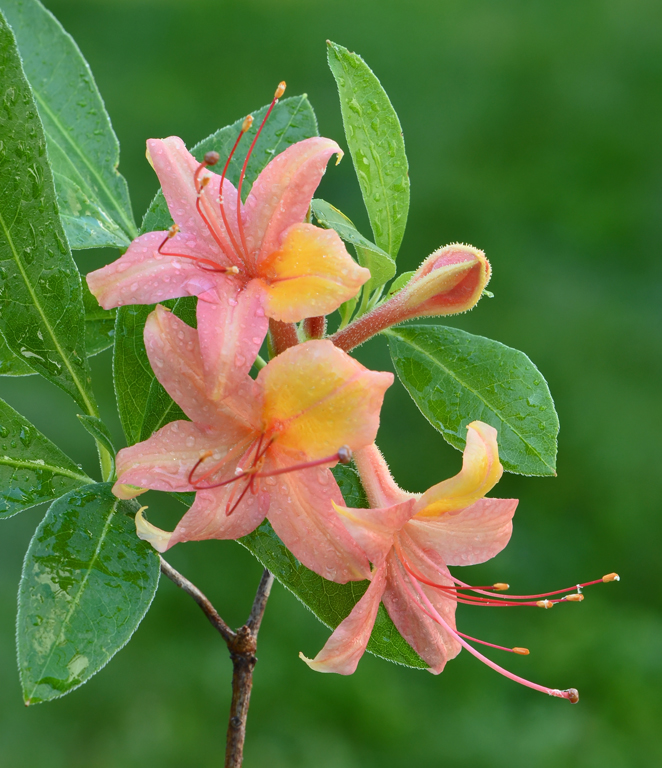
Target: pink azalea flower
[(263, 448), (411, 540), (247, 262)]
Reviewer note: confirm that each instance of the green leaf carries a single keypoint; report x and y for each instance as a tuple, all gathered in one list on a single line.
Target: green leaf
[(87, 582), (93, 197), (11, 364), (99, 324), (41, 307), (381, 265), (374, 137), (101, 434), (455, 378), (400, 283), (32, 469), (143, 404), (99, 335)]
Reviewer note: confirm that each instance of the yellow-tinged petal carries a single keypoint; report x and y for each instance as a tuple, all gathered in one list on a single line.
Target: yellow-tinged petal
[(481, 470), (318, 399), (158, 538), (311, 274)]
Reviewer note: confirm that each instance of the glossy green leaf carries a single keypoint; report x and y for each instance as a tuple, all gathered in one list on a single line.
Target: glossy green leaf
[(32, 469), (99, 324), (87, 582), (374, 138), (11, 364), (101, 434), (143, 404), (400, 282), (381, 265), (331, 602), (93, 197), (455, 377), (41, 306), (99, 335)]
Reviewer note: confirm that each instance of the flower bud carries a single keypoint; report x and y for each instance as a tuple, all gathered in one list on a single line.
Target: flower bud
[(449, 281)]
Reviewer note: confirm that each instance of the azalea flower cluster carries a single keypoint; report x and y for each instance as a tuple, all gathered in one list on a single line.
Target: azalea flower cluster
[(265, 446)]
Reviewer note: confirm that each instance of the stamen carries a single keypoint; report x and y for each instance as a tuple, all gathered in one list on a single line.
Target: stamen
[(545, 604), (611, 577), (248, 122), (500, 587), (207, 264), (279, 92), (570, 694), (336, 457)]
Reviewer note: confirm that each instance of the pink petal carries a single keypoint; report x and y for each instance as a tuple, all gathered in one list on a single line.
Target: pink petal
[(471, 535), (302, 515), (347, 644), (207, 518), (282, 193), (175, 167), (374, 529), (232, 326), (433, 644), (143, 276), (379, 485), (163, 461)]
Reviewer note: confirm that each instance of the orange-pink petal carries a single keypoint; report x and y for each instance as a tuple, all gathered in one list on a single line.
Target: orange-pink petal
[(311, 274), (318, 399)]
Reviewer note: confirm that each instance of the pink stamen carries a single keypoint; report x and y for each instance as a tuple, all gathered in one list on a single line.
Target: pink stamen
[(248, 122), (199, 261), (211, 158), (570, 694), (279, 92)]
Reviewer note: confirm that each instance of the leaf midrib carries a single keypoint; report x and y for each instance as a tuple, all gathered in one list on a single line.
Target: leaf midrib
[(470, 389), (77, 598), (88, 403), (130, 225), (35, 465)]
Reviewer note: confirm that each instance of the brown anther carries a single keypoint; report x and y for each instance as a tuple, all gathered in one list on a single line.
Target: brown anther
[(211, 158), (246, 125), (344, 454), (203, 183), (575, 598), (205, 455), (280, 90), (500, 586), (573, 695), (611, 577), (173, 230), (521, 651), (545, 604)]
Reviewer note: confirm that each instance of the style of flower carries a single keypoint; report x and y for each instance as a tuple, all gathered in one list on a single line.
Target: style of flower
[(262, 449), (246, 262), (411, 540)]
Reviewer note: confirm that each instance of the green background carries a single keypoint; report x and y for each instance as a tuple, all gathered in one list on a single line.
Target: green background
[(533, 131)]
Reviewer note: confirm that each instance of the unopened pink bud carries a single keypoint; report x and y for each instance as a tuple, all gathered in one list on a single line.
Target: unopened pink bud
[(449, 281)]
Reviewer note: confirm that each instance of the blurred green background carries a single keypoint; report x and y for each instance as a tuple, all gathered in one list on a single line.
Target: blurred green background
[(533, 132)]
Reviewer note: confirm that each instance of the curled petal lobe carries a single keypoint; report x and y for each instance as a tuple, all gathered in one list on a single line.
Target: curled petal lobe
[(311, 274), (317, 399), (144, 276), (343, 650), (301, 512), (232, 326), (480, 472), (468, 536), (374, 529), (282, 193), (157, 537)]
